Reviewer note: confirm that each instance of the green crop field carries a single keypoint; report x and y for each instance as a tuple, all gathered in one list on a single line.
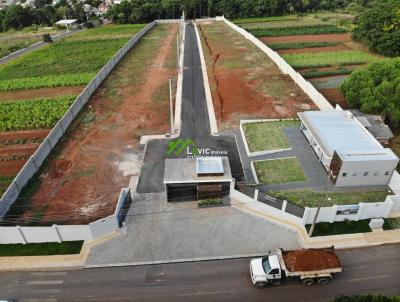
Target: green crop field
[(33, 114), (296, 31), (306, 21), (72, 61), (325, 59), (299, 45), (265, 19)]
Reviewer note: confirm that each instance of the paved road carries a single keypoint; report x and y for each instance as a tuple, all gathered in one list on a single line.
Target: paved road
[(375, 270), (195, 125), (33, 47)]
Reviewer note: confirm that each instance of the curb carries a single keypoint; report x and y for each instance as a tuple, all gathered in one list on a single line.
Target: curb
[(182, 260)]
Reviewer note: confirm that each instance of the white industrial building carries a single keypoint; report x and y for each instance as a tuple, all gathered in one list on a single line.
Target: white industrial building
[(348, 151)]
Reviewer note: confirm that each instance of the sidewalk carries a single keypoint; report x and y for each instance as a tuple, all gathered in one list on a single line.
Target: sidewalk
[(339, 241), (53, 262)]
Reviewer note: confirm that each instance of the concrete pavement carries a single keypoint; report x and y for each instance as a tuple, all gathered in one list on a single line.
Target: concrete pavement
[(371, 270)]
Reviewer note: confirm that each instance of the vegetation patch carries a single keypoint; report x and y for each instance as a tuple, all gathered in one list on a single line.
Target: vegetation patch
[(265, 19), (116, 31), (307, 198), (33, 114), (41, 249), (210, 202), (366, 298), (340, 228), (299, 45), (326, 59), (278, 171), (314, 73), (392, 223), (297, 31), (266, 136)]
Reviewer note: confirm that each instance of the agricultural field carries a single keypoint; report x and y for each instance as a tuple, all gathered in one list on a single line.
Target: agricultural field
[(100, 152), (319, 46), (38, 88), (245, 83), (12, 40)]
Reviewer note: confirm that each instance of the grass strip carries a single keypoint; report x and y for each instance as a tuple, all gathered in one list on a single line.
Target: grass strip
[(297, 31), (279, 171), (326, 59), (308, 198), (63, 80), (340, 228), (41, 249), (299, 45), (264, 19), (33, 114), (265, 136)]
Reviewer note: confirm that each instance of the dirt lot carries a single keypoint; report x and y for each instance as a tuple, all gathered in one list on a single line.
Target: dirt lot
[(310, 260), (40, 93), (346, 37), (245, 83), (82, 180), (17, 147)]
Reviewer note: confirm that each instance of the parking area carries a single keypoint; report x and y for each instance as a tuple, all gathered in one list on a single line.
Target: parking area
[(161, 231)]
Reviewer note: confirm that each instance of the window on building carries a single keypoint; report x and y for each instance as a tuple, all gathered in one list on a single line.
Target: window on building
[(387, 172), (344, 174), (376, 173), (366, 173), (355, 174)]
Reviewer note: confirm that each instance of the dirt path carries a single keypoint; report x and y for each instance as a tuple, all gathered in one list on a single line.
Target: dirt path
[(100, 155), (40, 93), (244, 82)]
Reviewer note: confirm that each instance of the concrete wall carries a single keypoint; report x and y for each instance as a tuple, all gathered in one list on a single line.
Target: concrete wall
[(355, 173)]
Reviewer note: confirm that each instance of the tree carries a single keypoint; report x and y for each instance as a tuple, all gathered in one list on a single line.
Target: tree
[(379, 28), (376, 90)]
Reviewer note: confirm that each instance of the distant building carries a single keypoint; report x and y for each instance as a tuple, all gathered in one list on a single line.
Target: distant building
[(103, 8), (348, 151), (375, 125)]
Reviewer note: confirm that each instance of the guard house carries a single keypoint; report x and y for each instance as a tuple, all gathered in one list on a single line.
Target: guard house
[(188, 179), (349, 152)]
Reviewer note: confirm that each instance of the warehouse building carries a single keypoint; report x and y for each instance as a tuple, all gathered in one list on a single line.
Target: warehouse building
[(348, 151), (188, 179)]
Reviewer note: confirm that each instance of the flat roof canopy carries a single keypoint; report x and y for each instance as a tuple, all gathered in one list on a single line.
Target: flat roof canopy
[(66, 22), (185, 170)]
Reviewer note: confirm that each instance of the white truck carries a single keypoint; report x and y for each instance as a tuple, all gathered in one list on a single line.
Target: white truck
[(311, 266)]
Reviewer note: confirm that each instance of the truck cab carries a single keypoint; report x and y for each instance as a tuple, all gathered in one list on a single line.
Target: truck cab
[(266, 270)]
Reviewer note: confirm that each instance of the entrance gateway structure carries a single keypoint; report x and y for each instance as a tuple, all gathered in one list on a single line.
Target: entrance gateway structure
[(188, 179), (348, 151)]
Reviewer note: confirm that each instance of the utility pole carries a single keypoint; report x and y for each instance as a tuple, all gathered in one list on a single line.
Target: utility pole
[(319, 206), (171, 107)]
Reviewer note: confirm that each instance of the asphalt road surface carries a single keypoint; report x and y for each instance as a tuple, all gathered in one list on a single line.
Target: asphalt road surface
[(32, 47), (369, 270), (195, 125)]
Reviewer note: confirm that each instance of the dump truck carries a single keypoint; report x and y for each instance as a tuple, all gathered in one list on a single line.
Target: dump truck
[(311, 266)]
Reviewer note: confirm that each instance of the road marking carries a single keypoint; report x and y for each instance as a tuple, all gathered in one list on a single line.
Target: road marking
[(48, 273), (368, 278), (45, 282), (38, 300), (207, 293)]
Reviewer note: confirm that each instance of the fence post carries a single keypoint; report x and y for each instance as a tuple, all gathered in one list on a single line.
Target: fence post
[(256, 194), (305, 215), (334, 211), (360, 210), (54, 226), (284, 204)]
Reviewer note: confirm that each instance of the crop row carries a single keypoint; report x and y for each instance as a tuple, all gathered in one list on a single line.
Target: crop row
[(299, 45), (296, 31), (62, 80), (33, 114), (108, 32), (265, 19), (325, 59)]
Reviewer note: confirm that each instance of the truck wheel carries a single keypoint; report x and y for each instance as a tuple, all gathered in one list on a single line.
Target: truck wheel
[(308, 282), (261, 284), (323, 281)]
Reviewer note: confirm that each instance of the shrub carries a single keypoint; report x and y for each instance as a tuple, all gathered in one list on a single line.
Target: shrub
[(47, 38)]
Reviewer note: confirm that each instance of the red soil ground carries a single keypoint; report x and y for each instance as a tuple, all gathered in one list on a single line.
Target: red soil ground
[(310, 260), (17, 147), (82, 183), (334, 96), (339, 47), (308, 38), (236, 89), (40, 93)]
